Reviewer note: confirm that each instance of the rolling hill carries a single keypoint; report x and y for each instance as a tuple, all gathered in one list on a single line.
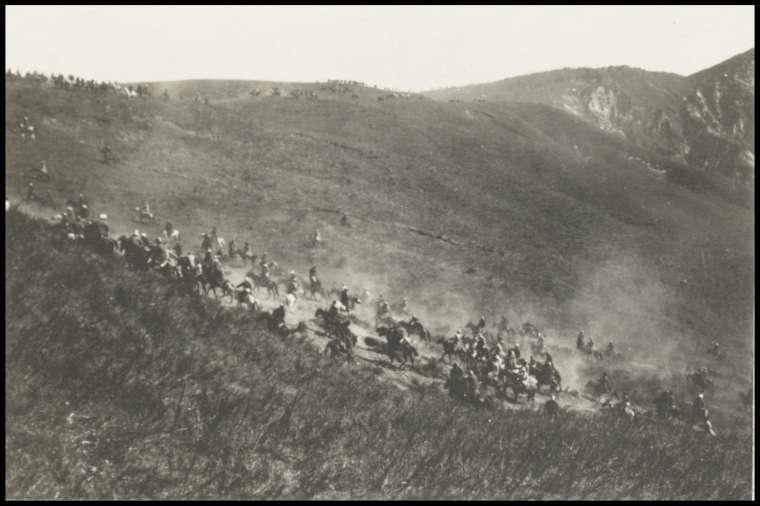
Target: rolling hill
[(467, 208), (705, 120)]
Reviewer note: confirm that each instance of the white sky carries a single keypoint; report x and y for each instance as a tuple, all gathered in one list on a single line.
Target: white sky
[(403, 47)]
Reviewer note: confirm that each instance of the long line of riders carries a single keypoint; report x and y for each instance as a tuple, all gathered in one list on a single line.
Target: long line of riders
[(483, 361)]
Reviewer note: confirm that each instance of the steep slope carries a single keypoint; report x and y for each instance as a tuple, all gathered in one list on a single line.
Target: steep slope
[(466, 208), (118, 388), (718, 117), (706, 120)]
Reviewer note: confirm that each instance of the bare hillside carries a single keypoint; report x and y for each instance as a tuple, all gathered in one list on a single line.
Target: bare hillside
[(467, 208)]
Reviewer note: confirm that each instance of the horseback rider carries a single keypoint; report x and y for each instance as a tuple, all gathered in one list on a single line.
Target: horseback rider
[(177, 249), (29, 191), (480, 344), (664, 403), (456, 376), (551, 407), (471, 383), (404, 307), (146, 208), (246, 284), (610, 349), (481, 323), (516, 350), (316, 239), (293, 285), (548, 362), (263, 262), (715, 349), (698, 408), (247, 250), (332, 313), (345, 299), (278, 315), (158, 254), (265, 271), (511, 360), (604, 383), (580, 341)]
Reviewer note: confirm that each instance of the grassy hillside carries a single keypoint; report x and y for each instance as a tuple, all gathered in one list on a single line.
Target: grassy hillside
[(515, 209), (118, 389)]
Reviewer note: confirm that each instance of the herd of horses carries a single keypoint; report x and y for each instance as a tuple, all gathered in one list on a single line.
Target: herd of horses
[(206, 277)]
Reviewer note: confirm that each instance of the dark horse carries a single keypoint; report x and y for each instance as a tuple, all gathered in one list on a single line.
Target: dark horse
[(135, 253), (415, 327), (396, 349), (546, 375)]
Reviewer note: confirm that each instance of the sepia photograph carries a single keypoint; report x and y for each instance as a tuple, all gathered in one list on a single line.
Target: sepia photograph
[(379, 252)]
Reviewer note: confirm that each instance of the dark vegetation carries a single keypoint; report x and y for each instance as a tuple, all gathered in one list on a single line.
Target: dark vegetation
[(117, 388)]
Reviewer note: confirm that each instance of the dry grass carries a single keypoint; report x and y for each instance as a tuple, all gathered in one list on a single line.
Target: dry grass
[(118, 389)]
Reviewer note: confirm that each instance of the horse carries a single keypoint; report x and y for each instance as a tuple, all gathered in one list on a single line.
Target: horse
[(450, 349), (171, 236), (528, 329), (214, 279), (392, 335), (546, 375), (264, 282), (336, 348), (415, 327), (143, 215), (135, 254), (315, 287), (519, 385), (244, 297), (336, 326), (403, 352)]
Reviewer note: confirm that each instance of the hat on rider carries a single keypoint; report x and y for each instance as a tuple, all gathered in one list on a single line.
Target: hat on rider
[(103, 217)]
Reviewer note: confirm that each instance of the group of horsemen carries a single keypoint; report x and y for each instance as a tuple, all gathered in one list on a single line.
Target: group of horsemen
[(474, 351)]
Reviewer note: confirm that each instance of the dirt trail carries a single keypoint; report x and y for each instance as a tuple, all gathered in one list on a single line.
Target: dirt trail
[(367, 356)]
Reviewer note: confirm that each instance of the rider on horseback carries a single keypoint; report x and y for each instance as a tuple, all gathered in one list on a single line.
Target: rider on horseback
[(246, 284), (293, 284), (278, 316), (604, 383), (580, 341), (247, 251), (345, 299)]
